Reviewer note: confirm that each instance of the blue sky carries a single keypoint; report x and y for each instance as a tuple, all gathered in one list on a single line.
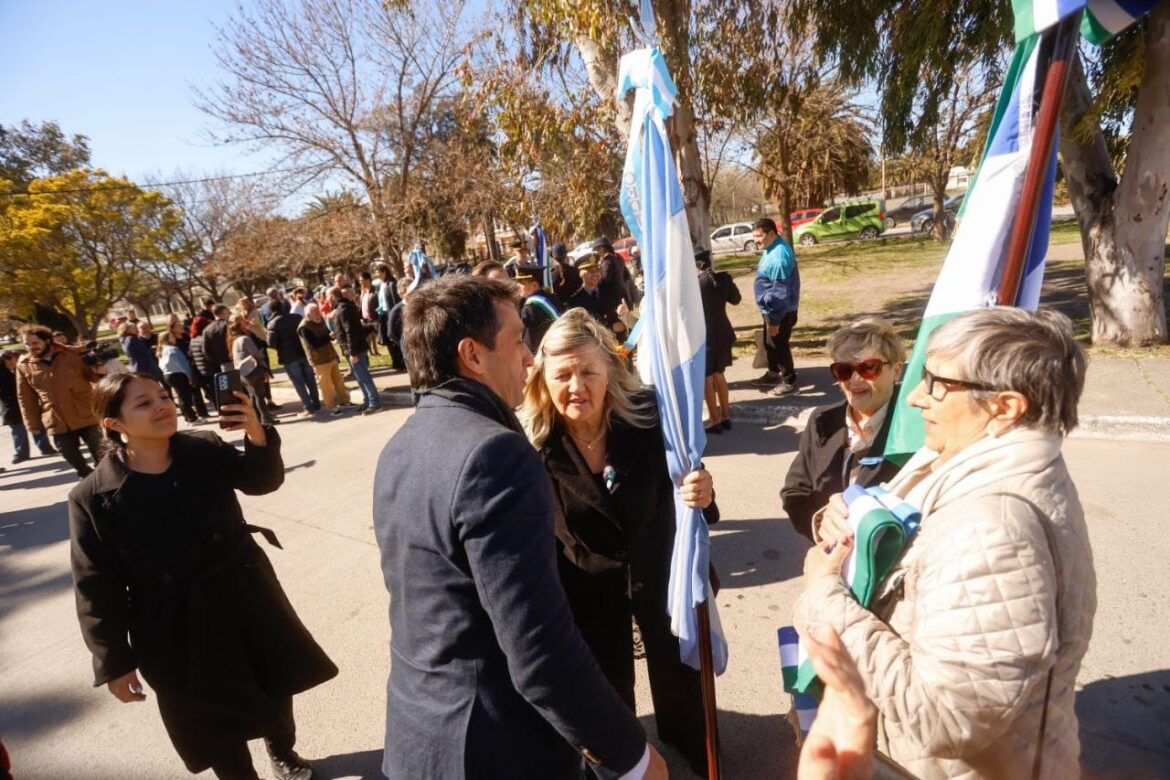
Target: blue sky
[(120, 72)]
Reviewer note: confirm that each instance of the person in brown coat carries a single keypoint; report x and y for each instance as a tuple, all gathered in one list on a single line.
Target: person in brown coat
[(53, 388), (170, 583)]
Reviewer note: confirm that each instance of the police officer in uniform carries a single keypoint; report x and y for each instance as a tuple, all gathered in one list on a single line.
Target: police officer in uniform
[(595, 299), (539, 308), (565, 279)]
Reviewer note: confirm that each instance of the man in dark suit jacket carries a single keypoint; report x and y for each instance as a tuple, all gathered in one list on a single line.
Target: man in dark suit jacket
[(489, 677)]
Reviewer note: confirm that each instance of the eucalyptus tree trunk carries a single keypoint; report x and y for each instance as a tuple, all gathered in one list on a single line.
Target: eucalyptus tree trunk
[(1123, 222)]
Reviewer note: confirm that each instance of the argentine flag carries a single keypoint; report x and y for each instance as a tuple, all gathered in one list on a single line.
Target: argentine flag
[(970, 275), (672, 348)]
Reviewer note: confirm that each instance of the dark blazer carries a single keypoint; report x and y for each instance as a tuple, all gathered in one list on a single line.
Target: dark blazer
[(215, 345), (818, 470), (489, 678), (179, 590), (717, 290), (614, 560), (142, 358), (351, 333), (566, 280), (9, 403), (283, 337), (599, 303)]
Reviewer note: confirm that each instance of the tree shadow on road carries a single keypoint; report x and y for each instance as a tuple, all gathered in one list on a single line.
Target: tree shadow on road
[(364, 765), (1125, 727), (23, 589), (34, 527)]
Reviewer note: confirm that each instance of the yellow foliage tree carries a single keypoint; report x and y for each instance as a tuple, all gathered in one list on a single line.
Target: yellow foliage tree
[(77, 243)]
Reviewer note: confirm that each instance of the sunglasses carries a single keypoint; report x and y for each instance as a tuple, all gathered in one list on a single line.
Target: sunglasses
[(866, 369), (929, 380)]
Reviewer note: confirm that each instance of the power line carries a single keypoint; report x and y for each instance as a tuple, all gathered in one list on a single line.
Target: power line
[(131, 186)]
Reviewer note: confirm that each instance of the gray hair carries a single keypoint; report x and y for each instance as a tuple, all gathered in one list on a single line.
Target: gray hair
[(1033, 353), (878, 335)]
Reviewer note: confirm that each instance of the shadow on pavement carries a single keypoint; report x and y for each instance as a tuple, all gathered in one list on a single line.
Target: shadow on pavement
[(66, 477), (750, 746), (1125, 726), (307, 464), (752, 553), (365, 765), (24, 589), (26, 718), (775, 440), (35, 527), (45, 463)]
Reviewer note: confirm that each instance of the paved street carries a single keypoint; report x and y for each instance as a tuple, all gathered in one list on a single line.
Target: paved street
[(57, 726)]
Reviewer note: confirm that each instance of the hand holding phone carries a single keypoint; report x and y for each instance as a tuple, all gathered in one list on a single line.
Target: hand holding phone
[(228, 384)]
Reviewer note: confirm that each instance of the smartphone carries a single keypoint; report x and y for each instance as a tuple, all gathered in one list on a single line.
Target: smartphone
[(227, 383)]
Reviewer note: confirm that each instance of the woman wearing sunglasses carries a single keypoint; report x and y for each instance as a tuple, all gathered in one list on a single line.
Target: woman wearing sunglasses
[(971, 645), (843, 442)]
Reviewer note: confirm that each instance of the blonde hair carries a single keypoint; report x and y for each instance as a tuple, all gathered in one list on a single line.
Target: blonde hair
[(878, 335), (576, 329), (167, 339), (237, 327)]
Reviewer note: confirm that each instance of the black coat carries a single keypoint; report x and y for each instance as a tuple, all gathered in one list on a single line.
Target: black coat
[(215, 345), (718, 290), (9, 403), (537, 318), (351, 332), (283, 337), (614, 551), (488, 676), (566, 280), (199, 360), (819, 468), (170, 582), (599, 303)]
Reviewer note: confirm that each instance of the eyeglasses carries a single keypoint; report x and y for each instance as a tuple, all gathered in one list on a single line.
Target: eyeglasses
[(929, 380), (866, 369)]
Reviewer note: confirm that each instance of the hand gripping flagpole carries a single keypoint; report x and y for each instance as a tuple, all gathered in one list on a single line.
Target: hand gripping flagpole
[(672, 358)]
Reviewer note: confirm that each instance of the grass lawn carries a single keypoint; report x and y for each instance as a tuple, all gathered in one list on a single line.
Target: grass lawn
[(892, 278)]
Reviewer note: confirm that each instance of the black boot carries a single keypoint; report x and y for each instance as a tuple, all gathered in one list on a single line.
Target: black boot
[(285, 762)]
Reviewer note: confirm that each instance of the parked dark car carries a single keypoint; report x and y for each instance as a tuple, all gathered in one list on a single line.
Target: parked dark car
[(907, 209), (923, 221)]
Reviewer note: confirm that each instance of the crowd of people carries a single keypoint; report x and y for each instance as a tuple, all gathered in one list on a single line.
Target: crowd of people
[(526, 519)]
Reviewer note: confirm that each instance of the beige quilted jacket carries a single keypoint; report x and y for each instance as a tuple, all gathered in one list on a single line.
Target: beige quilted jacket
[(957, 651)]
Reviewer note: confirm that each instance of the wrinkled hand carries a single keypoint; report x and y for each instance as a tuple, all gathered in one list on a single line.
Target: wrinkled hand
[(840, 745), (127, 688), (826, 560), (242, 416), (698, 489), (773, 330), (834, 525), (657, 768)]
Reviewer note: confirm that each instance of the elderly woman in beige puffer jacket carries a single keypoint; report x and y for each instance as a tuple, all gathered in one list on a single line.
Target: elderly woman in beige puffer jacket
[(972, 644)]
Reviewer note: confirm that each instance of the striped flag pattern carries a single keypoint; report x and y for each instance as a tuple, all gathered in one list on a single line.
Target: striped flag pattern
[(672, 349), (540, 247), (1102, 20)]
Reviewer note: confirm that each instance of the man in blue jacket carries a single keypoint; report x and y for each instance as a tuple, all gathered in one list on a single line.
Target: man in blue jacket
[(489, 676), (777, 291)]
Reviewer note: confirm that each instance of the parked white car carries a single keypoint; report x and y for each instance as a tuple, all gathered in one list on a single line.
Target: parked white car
[(733, 238), (579, 251)]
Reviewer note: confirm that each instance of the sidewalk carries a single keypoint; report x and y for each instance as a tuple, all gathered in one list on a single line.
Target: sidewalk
[(1124, 398)]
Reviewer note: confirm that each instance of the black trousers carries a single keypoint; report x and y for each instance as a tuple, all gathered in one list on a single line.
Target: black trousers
[(234, 761), (778, 349), (69, 444), (190, 399)]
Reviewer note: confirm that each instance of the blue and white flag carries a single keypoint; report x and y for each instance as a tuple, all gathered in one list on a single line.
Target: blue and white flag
[(418, 260), (540, 247), (672, 350), (971, 273)]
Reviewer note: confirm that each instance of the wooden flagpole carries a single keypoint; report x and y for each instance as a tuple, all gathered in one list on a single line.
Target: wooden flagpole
[(707, 675), (1047, 118)]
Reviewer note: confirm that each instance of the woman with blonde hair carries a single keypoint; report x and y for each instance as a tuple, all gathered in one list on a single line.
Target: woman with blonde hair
[(180, 377), (599, 435)]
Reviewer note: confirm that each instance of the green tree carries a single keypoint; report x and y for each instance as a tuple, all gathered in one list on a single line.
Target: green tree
[(29, 152), (77, 243)]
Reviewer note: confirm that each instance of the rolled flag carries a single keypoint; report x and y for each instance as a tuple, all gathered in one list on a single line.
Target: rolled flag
[(883, 524), (791, 656), (418, 261), (540, 247), (672, 350)]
